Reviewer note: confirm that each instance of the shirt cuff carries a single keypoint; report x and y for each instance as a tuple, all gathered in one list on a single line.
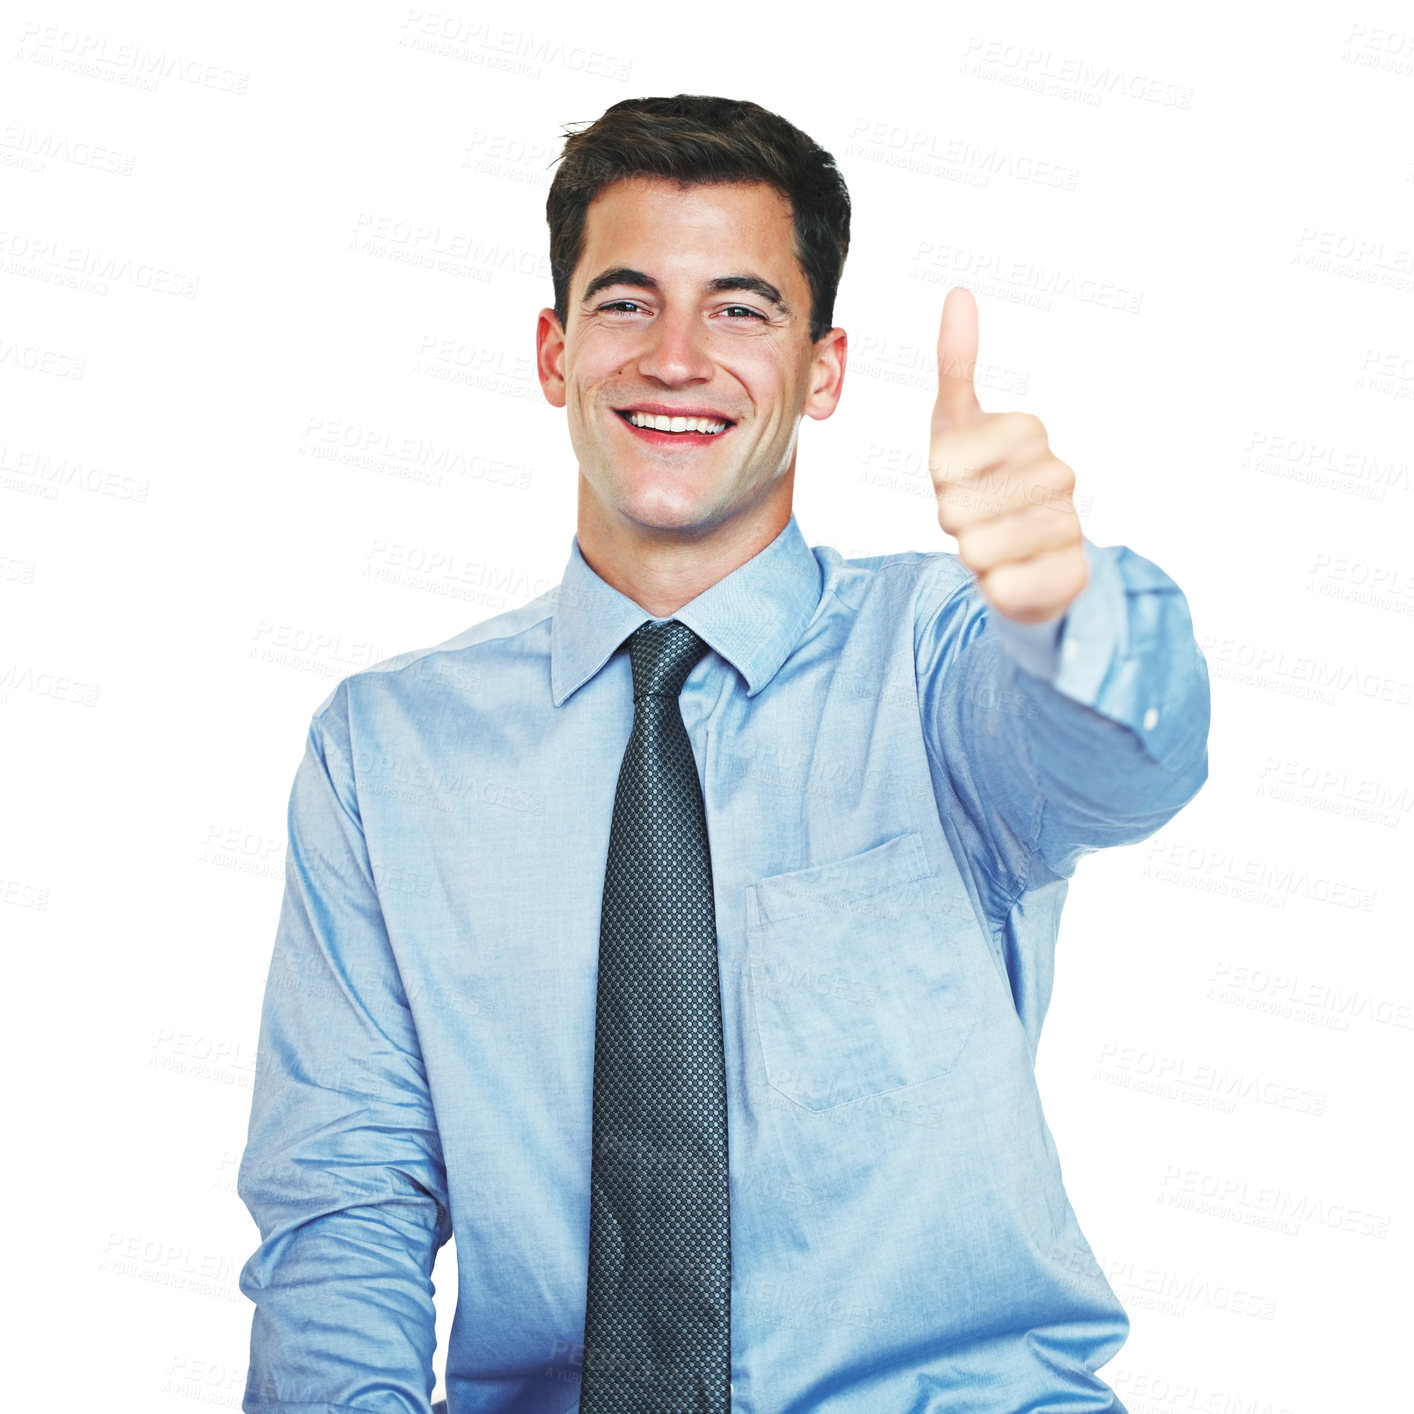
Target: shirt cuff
[(1043, 648), (1096, 630)]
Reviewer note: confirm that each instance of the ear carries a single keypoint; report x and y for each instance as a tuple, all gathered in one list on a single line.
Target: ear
[(826, 374), (550, 357)]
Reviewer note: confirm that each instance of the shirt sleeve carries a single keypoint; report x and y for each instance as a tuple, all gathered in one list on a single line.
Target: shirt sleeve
[(1063, 737), (343, 1169)]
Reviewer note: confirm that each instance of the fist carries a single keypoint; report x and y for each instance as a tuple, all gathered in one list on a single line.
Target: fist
[(1001, 491)]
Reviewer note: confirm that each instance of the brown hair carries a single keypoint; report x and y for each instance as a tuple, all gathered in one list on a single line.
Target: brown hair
[(694, 139)]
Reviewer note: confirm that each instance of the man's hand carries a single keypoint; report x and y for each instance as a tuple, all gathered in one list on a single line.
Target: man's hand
[(1001, 492)]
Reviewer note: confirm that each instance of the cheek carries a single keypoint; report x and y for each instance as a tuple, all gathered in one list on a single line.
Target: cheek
[(776, 401), (603, 353), (770, 388)]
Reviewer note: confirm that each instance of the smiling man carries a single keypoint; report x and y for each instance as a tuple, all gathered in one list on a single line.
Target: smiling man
[(680, 941)]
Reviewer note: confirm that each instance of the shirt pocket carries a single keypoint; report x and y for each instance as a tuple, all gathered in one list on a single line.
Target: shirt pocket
[(857, 976)]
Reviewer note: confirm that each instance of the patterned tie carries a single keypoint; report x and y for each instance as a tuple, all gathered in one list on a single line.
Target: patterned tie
[(657, 1331)]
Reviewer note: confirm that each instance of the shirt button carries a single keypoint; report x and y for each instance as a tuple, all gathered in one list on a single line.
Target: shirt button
[(1151, 719)]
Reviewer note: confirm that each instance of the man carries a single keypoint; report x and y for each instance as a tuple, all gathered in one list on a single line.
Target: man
[(681, 940)]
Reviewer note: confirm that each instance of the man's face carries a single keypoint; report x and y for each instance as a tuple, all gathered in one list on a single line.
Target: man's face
[(687, 303)]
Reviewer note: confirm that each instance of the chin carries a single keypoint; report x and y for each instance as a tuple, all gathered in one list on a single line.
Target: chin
[(655, 515), (654, 496), (676, 512)]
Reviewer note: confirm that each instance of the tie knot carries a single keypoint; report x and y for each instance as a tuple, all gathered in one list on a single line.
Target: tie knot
[(662, 656)]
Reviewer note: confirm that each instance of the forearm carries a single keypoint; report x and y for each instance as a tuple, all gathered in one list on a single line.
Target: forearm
[(1063, 738), (343, 1169), (344, 1313), (1117, 707)]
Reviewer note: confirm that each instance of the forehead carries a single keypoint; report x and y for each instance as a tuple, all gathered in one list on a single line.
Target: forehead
[(660, 227)]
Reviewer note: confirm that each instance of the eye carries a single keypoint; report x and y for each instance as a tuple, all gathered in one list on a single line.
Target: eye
[(628, 305), (744, 309)]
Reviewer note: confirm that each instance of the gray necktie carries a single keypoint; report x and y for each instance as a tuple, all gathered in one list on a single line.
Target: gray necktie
[(657, 1334)]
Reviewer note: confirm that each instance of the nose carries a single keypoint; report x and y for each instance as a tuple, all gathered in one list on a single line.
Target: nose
[(676, 351)]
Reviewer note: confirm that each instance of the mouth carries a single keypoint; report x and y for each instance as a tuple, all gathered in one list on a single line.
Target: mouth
[(665, 428)]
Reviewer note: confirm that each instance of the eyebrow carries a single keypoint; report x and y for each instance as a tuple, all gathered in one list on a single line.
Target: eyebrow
[(622, 275)]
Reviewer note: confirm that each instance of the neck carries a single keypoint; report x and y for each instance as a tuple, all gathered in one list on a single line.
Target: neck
[(663, 569)]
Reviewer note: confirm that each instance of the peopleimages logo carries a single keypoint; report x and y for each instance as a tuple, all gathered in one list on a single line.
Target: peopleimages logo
[(57, 262), (135, 65), (491, 46)]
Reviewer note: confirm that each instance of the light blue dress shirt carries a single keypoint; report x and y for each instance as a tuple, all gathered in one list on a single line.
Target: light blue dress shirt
[(898, 786)]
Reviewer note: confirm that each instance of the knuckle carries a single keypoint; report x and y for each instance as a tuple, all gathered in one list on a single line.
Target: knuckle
[(1001, 581), (1027, 425), (973, 549)]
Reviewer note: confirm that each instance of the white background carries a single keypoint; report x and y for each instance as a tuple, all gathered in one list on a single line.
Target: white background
[(1190, 242)]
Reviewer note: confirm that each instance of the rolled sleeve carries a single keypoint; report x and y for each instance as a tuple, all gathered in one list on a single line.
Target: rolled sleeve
[(343, 1169)]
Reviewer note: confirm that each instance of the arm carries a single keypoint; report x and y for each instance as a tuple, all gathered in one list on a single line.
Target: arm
[(343, 1169), (1061, 737), (1076, 706)]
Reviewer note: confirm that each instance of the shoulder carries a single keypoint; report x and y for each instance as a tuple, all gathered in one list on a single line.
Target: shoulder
[(457, 663), (925, 579)]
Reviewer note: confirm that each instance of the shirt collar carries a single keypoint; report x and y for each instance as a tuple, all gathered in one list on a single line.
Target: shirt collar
[(752, 617)]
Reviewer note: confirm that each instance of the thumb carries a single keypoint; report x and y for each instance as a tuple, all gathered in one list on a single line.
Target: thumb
[(957, 362)]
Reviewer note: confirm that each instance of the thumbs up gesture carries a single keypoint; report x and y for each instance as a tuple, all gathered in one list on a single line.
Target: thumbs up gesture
[(1001, 491)]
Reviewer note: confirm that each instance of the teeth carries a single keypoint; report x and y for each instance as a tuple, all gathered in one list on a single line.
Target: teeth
[(659, 423)]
